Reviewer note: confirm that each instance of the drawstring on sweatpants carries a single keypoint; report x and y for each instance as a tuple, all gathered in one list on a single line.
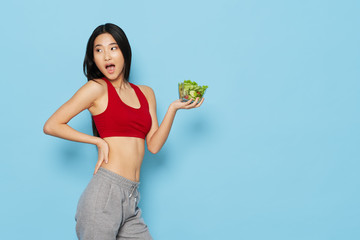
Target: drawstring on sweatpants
[(132, 190)]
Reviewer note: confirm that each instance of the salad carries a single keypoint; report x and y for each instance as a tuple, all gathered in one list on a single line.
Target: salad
[(190, 89)]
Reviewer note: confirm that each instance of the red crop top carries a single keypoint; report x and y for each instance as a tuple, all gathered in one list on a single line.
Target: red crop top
[(121, 120)]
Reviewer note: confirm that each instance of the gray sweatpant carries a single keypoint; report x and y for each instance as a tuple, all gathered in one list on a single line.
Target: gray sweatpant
[(107, 209)]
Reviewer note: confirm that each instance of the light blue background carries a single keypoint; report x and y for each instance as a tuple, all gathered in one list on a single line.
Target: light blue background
[(272, 154)]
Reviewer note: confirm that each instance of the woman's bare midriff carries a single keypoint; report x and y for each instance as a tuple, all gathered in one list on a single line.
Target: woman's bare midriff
[(125, 156)]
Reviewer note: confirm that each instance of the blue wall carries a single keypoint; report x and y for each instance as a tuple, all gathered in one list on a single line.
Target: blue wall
[(272, 154)]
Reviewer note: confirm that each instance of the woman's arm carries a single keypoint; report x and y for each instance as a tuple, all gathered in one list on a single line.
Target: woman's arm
[(83, 99), (157, 135)]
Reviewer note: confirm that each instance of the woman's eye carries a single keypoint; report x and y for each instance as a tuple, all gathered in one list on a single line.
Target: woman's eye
[(98, 50), (113, 48)]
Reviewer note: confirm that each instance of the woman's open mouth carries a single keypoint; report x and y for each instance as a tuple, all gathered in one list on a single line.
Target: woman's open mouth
[(110, 68)]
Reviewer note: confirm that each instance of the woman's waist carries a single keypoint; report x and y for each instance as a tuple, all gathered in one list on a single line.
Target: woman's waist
[(126, 146), (128, 173), (128, 141), (129, 170), (125, 156), (129, 157)]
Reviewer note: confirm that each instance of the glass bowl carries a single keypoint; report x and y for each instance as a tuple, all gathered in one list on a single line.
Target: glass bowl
[(186, 94)]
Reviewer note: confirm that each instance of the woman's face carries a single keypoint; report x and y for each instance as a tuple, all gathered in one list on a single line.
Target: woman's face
[(108, 57)]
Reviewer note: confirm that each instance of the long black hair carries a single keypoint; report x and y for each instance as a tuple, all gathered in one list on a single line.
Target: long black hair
[(90, 69)]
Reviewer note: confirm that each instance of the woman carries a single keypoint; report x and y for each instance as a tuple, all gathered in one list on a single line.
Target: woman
[(124, 115)]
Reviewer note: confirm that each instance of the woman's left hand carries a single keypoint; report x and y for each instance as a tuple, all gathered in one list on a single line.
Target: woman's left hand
[(178, 104)]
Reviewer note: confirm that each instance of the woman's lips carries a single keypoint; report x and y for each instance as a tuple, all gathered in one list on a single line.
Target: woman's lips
[(110, 68)]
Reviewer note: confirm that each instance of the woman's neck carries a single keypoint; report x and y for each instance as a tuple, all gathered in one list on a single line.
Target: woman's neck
[(120, 83)]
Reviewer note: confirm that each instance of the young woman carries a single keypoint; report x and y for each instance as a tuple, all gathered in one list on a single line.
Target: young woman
[(124, 115)]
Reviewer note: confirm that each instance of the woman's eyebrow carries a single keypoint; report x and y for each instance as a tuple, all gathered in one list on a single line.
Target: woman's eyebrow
[(99, 45)]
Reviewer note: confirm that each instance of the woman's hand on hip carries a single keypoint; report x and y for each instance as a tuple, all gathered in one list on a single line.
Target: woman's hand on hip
[(103, 153)]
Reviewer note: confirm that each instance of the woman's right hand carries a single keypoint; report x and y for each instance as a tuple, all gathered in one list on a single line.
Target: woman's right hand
[(103, 153)]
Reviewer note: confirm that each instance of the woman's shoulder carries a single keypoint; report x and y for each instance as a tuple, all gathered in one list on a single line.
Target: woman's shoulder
[(148, 92), (95, 87), (145, 89), (97, 84)]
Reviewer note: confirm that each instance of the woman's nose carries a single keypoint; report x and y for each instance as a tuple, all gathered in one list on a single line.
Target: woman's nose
[(107, 56)]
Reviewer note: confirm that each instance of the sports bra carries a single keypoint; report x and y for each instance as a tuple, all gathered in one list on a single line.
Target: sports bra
[(121, 120)]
